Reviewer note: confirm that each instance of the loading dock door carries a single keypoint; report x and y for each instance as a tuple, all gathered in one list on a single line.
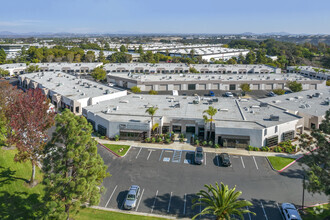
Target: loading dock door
[(255, 87), (163, 87), (268, 86), (190, 129), (148, 88), (177, 87)]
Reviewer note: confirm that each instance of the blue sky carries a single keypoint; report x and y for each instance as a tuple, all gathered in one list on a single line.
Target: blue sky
[(165, 16)]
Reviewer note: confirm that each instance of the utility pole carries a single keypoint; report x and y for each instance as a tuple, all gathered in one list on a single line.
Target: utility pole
[(303, 194)]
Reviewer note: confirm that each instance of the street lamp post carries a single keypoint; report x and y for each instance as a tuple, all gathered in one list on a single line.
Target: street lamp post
[(303, 194)]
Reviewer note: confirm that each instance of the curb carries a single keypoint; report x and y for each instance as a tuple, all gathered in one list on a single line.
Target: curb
[(271, 165), (293, 162), (109, 150), (317, 204)]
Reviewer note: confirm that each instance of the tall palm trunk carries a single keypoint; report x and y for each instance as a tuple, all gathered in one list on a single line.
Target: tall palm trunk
[(210, 129), (152, 125)]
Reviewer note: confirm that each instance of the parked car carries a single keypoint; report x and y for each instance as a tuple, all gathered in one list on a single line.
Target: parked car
[(290, 212), (229, 94), (225, 159), (271, 94), (7, 78), (132, 197), (199, 155), (211, 93)]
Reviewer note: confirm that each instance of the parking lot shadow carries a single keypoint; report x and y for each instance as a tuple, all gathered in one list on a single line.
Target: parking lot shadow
[(297, 173), (121, 199), (216, 161), (190, 157), (265, 208)]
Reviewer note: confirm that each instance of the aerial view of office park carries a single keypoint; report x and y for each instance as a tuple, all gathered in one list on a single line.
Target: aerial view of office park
[(147, 110)]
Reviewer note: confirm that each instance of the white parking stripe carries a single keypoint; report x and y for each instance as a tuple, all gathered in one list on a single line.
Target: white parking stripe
[(242, 162), (255, 162), (149, 154), (184, 204), (111, 196), (169, 203), (138, 153), (280, 211), (218, 160), (248, 213), (205, 159), (262, 206), (161, 154), (137, 207), (153, 205)]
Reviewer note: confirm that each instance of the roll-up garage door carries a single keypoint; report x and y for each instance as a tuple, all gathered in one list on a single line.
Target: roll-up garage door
[(268, 86), (312, 86), (177, 87), (255, 87), (163, 87), (215, 86), (201, 86), (148, 88)]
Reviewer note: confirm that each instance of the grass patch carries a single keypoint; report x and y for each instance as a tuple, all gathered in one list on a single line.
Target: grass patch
[(89, 213), (17, 199), (115, 148), (312, 215), (280, 162)]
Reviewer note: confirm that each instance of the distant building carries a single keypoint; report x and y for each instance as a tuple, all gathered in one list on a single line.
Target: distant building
[(309, 71), (14, 68)]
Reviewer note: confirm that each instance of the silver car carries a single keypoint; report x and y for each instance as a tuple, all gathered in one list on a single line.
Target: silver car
[(132, 197)]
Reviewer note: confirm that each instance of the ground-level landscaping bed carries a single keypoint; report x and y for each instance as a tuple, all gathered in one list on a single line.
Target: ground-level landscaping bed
[(117, 148), (321, 212), (279, 163)]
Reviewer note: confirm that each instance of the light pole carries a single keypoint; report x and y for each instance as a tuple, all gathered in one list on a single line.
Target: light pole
[(303, 194)]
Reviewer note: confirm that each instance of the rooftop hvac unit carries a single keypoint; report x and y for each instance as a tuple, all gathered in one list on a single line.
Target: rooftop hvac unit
[(123, 101), (274, 117), (107, 91), (263, 104)]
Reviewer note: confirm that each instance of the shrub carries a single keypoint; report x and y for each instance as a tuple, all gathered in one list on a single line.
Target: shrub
[(279, 91), (328, 83), (135, 89), (102, 137), (204, 143), (167, 140), (147, 140), (159, 139), (216, 146), (181, 140), (181, 135), (255, 148), (116, 137), (265, 149), (288, 149), (153, 140), (153, 92), (278, 149), (249, 148), (295, 86), (210, 143), (197, 142)]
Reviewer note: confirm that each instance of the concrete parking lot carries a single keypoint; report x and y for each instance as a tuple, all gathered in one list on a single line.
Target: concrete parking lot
[(169, 181)]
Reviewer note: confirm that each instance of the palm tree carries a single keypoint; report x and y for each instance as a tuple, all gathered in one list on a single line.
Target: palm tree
[(221, 202), (152, 111), (211, 111)]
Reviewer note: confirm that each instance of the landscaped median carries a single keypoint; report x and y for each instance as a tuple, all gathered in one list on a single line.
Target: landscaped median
[(120, 150), (319, 212), (279, 163)]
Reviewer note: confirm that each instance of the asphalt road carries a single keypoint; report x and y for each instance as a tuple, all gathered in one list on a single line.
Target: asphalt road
[(169, 181)]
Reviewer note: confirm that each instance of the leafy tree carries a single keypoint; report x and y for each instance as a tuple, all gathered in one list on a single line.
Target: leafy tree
[(153, 92), (99, 73), (193, 70), (231, 61), (32, 68), (295, 86), (250, 58), (90, 56), (245, 87), (140, 50), (2, 56), (211, 111), (328, 83), (73, 168), (120, 57), (122, 49), (152, 111), (4, 73), (135, 89), (318, 161), (261, 56), (29, 122), (70, 56), (101, 57), (222, 202), (106, 46), (279, 91)]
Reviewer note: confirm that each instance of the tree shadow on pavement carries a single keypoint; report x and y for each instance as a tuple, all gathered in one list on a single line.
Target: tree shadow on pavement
[(7, 176), (296, 173)]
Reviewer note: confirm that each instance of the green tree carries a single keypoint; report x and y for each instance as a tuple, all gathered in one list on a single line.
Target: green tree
[(152, 111), (153, 92), (101, 57), (73, 170), (107, 46), (231, 61), (211, 111), (250, 58), (222, 202), (140, 50), (294, 86), (99, 73), (90, 56), (193, 70), (135, 89), (120, 57), (318, 161), (4, 73), (279, 91), (261, 56), (328, 83), (70, 57), (245, 87), (123, 49), (32, 68), (2, 56)]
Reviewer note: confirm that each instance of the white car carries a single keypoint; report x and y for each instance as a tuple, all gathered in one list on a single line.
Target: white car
[(229, 94), (290, 212)]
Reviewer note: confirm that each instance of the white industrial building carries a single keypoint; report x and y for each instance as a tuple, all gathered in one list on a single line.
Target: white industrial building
[(14, 68), (77, 68), (311, 105), (310, 71), (68, 91), (238, 123), (182, 82)]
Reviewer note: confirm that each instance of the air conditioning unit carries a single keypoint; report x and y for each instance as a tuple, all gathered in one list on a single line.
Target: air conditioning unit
[(274, 117)]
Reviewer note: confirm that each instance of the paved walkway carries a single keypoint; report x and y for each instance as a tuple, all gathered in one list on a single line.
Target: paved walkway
[(184, 146)]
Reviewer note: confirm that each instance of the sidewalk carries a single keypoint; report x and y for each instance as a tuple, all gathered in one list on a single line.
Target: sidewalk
[(188, 147)]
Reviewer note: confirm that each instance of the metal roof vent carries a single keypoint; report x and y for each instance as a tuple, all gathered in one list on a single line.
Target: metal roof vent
[(274, 117)]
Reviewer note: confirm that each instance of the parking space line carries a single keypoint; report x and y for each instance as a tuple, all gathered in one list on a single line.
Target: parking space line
[(138, 153), (110, 196), (137, 207), (205, 159), (248, 213), (169, 203), (150, 151), (255, 162), (280, 211), (184, 204), (262, 206), (242, 162), (153, 205), (217, 155), (161, 154)]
